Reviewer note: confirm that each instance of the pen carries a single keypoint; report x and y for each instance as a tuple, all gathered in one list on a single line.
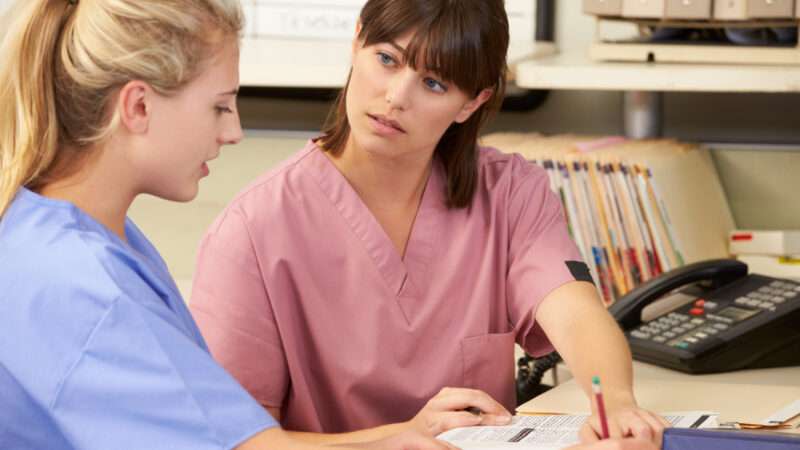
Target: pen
[(601, 407)]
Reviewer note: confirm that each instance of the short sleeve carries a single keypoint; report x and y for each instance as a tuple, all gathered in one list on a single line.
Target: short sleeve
[(540, 248), (141, 382), (234, 313)]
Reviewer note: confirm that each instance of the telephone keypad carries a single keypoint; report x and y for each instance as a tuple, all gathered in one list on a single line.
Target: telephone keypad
[(700, 320)]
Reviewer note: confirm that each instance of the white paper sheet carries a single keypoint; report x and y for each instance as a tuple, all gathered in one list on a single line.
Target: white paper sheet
[(550, 432)]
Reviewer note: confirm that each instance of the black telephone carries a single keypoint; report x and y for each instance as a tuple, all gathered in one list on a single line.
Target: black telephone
[(732, 320), (727, 320)]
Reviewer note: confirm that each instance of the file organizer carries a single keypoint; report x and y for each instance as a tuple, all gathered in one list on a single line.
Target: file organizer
[(634, 208), (753, 9), (695, 14)]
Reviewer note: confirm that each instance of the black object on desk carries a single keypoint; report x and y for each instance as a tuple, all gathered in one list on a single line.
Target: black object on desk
[(704, 439)]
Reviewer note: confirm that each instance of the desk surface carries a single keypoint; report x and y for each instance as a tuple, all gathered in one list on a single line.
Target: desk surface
[(782, 376), (745, 396)]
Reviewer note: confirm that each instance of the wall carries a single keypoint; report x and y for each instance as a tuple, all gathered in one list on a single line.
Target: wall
[(750, 120)]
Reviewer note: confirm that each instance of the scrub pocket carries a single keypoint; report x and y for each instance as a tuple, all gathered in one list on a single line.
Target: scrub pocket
[(489, 366)]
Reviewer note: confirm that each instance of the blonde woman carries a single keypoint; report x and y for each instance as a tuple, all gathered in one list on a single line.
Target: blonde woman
[(100, 101)]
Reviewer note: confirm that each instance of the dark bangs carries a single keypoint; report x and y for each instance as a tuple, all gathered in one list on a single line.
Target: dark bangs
[(452, 38)]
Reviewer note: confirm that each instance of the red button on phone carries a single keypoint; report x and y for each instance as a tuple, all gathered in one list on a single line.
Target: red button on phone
[(696, 311)]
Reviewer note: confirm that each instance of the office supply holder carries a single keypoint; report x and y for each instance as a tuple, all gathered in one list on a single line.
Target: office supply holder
[(642, 50)]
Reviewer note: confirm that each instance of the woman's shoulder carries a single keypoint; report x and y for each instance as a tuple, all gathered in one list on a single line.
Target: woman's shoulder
[(275, 194), (498, 169), (279, 180), (55, 253)]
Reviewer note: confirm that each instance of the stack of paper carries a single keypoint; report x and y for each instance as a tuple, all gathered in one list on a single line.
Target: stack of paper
[(634, 208), (739, 403), (549, 432), (769, 252)]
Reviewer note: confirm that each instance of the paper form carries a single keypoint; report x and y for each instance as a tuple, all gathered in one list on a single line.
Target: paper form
[(550, 432), (784, 414)]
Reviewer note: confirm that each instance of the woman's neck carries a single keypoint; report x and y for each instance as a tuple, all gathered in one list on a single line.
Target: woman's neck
[(384, 181), (98, 190)]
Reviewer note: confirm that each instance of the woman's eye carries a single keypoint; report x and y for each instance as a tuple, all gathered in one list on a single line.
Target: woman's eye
[(224, 110), (385, 59), (435, 85)]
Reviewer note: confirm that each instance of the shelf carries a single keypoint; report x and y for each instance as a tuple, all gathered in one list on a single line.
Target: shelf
[(287, 63), (577, 71)]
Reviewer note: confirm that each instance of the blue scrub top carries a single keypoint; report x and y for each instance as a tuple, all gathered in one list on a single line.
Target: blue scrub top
[(98, 349)]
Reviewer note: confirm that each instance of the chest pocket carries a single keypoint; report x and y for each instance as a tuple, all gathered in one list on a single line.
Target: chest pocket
[(489, 366)]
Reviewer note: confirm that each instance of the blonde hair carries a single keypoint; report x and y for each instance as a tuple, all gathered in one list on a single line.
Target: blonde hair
[(62, 62)]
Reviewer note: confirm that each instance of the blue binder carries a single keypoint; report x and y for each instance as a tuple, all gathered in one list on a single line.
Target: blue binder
[(698, 439)]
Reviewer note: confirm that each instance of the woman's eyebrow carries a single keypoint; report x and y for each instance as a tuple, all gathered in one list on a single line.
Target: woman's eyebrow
[(231, 92), (398, 48)]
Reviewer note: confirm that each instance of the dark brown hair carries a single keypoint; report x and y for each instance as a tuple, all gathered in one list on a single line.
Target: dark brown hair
[(462, 41)]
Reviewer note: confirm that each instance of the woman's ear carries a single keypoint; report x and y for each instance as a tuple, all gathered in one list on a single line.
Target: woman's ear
[(135, 106), (356, 41), (473, 105)]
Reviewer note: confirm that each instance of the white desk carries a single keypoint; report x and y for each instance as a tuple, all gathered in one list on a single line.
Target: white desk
[(749, 395)]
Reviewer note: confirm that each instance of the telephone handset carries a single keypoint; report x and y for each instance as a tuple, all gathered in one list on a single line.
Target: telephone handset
[(727, 320)]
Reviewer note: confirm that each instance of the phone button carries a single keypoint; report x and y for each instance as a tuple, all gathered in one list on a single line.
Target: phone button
[(640, 335)]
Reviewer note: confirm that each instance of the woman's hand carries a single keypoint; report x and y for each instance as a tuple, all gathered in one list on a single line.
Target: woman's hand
[(627, 421), (448, 410)]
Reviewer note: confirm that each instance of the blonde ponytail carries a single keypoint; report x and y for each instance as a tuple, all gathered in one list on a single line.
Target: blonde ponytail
[(62, 62), (28, 123)]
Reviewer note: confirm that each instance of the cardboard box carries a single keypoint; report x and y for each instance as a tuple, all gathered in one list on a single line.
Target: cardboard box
[(688, 9), (602, 7), (753, 9), (643, 9)]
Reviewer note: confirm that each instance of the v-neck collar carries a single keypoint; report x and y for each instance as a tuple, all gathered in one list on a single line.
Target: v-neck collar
[(406, 277)]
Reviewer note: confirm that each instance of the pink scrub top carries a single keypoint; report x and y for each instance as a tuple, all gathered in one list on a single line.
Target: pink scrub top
[(302, 296)]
